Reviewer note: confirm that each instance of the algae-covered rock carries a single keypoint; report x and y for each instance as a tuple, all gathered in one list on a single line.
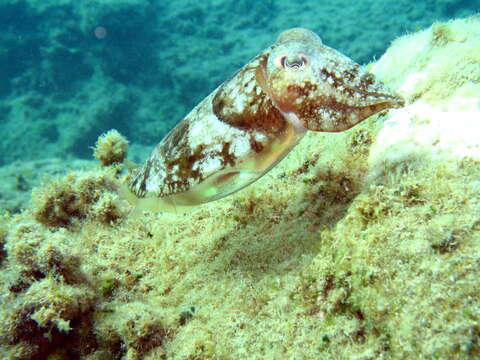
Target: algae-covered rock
[(76, 197), (359, 245), (111, 148)]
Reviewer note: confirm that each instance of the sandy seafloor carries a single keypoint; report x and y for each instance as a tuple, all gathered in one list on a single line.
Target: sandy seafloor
[(359, 245), (152, 61)]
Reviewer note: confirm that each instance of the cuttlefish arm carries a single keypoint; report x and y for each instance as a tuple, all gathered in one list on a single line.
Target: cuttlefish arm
[(251, 121)]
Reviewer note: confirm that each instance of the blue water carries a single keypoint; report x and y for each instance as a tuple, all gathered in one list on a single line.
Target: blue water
[(72, 71)]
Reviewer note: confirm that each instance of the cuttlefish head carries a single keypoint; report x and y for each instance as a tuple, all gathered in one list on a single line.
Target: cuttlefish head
[(319, 87)]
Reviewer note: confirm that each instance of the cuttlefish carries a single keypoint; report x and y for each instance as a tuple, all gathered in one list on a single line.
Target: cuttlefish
[(251, 121)]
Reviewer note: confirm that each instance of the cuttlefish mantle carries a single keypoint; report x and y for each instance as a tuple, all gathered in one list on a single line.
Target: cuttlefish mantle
[(250, 122)]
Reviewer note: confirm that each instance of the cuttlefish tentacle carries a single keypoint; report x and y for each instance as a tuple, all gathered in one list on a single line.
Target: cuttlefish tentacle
[(251, 121)]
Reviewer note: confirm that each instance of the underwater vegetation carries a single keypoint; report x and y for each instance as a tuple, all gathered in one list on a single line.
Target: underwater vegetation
[(359, 245)]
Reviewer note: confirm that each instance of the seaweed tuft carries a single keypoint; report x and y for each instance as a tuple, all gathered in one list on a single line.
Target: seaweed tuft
[(111, 148), (76, 198)]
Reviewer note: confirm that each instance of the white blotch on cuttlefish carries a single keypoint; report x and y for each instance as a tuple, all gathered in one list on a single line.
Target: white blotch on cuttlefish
[(250, 122)]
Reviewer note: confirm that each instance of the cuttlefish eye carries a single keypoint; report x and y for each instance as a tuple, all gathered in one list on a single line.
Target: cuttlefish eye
[(295, 62)]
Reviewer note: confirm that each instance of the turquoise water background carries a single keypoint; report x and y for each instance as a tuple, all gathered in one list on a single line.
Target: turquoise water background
[(71, 70)]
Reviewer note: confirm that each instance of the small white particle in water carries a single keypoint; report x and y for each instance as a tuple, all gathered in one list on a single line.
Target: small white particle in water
[(100, 32)]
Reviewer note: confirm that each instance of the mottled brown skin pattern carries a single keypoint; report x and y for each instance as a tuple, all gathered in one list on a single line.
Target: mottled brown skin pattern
[(250, 122), (182, 158), (174, 140), (309, 109), (176, 155), (267, 119), (259, 114), (185, 169), (327, 90)]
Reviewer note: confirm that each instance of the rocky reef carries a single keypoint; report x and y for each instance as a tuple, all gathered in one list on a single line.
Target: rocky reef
[(359, 245)]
